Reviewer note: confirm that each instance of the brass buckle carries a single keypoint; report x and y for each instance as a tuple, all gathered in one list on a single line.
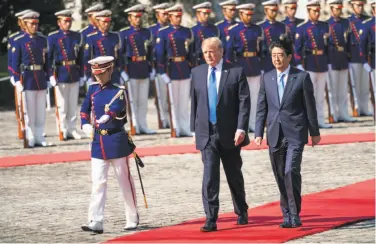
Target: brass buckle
[(340, 49), (104, 132)]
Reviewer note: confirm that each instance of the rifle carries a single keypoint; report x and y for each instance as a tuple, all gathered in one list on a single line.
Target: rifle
[(372, 81), (133, 130), (22, 120), (61, 136), (157, 102), (353, 96), (17, 110), (329, 100), (170, 108)]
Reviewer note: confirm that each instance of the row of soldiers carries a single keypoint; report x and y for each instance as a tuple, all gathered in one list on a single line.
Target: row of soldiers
[(165, 53)]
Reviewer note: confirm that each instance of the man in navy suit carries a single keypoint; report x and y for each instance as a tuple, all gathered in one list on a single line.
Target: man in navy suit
[(220, 106), (287, 104)]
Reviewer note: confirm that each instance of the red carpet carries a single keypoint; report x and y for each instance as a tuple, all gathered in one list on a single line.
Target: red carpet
[(161, 150), (321, 211)]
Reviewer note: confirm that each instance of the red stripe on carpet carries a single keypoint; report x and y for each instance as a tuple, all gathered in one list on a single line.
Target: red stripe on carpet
[(161, 150), (321, 211)]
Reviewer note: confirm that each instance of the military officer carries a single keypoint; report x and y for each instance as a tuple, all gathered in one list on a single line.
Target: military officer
[(229, 12), (310, 49), (367, 46), (173, 52), (137, 47), (291, 21), (91, 27), (244, 42), (202, 30), (29, 55), (162, 21), (338, 61), (102, 42), (273, 30), (63, 70), (103, 115), (358, 74)]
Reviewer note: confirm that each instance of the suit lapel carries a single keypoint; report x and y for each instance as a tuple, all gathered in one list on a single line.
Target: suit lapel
[(222, 82), (205, 81), (290, 83), (275, 87)]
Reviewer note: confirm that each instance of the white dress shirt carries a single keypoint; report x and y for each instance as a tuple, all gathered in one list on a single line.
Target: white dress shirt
[(286, 73), (218, 73)]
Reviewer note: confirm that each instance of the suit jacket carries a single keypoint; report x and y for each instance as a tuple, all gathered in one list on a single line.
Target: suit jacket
[(233, 105), (295, 115)]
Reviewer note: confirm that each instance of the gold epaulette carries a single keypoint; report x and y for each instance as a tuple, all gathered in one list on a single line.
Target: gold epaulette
[(54, 32), (19, 37), (92, 33), (125, 28), (152, 25), (302, 23), (366, 20), (84, 29), (94, 83), (163, 28), (13, 34), (219, 22), (234, 25), (119, 86), (260, 22)]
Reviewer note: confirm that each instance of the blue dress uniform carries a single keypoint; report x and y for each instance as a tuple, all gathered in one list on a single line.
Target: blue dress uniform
[(311, 52), (137, 51), (64, 72), (273, 30), (338, 63), (173, 54), (201, 31), (223, 25), (100, 43), (358, 75), (103, 115), (29, 55)]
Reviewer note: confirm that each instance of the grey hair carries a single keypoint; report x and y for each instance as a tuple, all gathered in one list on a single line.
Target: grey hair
[(212, 41)]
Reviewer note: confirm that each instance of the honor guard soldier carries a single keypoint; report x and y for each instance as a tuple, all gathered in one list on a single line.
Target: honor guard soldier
[(11, 40), (290, 21), (137, 49), (29, 55), (161, 89), (358, 74), (202, 30), (91, 27), (64, 72), (338, 61), (173, 51), (367, 47), (311, 55), (244, 42), (273, 30), (229, 12), (103, 115), (102, 42)]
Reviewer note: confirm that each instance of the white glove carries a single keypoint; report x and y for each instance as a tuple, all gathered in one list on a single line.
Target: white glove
[(299, 66), (12, 81), (82, 81), (152, 74), (330, 67), (165, 78), (124, 76), (367, 67), (53, 81), (89, 81), (103, 119), (85, 78), (88, 129), (19, 86), (121, 82)]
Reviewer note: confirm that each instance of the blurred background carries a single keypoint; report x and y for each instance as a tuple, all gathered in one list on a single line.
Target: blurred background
[(47, 8)]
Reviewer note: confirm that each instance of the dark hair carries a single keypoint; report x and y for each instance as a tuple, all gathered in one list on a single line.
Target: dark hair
[(284, 43)]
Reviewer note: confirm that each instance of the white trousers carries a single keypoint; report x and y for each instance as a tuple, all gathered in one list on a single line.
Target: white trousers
[(361, 81), (67, 99), (339, 88), (180, 93), (140, 92), (99, 174), (319, 81), (163, 101), (254, 87), (35, 114)]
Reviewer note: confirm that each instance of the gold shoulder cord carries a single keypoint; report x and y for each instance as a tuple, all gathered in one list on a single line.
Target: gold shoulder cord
[(107, 106)]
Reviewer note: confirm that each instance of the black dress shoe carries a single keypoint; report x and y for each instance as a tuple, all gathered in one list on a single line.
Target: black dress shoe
[(285, 225), (295, 222), (243, 219), (209, 226)]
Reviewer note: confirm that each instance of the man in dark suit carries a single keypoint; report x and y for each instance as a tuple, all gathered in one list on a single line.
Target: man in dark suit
[(286, 102), (219, 118)]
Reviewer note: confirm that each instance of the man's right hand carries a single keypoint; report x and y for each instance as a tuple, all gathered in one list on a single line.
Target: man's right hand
[(19, 86), (88, 129), (165, 78), (124, 76), (53, 81), (367, 67), (258, 140)]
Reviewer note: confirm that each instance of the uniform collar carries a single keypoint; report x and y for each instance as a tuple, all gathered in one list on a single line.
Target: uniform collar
[(201, 23), (64, 32), (245, 25), (290, 19), (175, 26), (135, 28), (335, 19), (103, 33)]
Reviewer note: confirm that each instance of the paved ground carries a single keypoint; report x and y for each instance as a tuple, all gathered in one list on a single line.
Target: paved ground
[(48, 203)]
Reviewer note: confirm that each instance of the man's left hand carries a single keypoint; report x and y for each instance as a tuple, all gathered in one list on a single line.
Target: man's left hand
[(239, 137), (315, 140), (103, 119)]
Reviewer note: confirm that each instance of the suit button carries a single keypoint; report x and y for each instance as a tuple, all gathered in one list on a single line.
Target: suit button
[(279, 121)]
